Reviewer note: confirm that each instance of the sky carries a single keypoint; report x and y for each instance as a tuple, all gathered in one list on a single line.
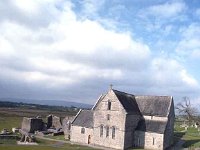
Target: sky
[(74, 49)]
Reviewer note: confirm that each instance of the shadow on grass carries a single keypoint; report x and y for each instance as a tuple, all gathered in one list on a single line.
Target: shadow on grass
[(190, 143), (179, 134)]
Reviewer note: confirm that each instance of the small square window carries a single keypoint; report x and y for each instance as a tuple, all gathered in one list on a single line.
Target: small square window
[(82, 130)]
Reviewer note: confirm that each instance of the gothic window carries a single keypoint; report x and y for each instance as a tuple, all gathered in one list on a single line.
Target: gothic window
[(109, 105), (108, 116), (107, 131), (82, 130), (101, 131), (113, 132)]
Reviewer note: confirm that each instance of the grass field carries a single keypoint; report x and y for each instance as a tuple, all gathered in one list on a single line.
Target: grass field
[(191, 136), (12, 117), (9, 122)]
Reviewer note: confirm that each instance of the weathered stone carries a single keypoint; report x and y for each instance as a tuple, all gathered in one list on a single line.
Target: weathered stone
[(122, 120), (67, 126), (32, 124), (53, 121)]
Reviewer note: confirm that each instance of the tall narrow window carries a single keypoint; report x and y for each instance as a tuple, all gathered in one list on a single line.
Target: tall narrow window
[(153, 141), (113, 132), (101, 131), (108, 116), (109, 105), (82, 130), (138, 142), (107, 131)]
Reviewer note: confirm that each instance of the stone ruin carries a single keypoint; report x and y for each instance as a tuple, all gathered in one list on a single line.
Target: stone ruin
[(54, 122), (53, 126), (31, 125), (67, 126)]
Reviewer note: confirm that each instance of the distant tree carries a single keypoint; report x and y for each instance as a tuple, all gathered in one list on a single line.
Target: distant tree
[(186, 109)]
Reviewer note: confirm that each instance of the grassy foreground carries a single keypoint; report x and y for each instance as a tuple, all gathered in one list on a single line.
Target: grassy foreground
[(191, 136), (43, 145)]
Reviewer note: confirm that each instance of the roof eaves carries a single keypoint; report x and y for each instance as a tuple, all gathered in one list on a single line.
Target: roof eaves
[(76, 115), (98, 100)]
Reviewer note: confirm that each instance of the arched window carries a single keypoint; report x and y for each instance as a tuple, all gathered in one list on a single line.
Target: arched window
[(109, 105), (113, 132), (107, 131), (82, 130), (101, 131)]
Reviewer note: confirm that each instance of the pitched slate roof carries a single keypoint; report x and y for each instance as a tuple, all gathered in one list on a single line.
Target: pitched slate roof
[(84, 119), (154, 105), (145, 105), (128, 102), (152, 126)]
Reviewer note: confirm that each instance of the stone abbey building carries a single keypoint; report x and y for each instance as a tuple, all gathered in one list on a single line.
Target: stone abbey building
[(120, 120)]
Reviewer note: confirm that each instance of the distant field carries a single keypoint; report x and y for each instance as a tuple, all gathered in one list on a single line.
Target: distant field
[(10, 122), (12, 117)]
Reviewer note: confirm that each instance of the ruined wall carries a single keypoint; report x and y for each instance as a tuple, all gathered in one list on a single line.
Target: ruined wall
[(116, 119), (67, 126), (54, 121), (77, 136), (32, 124), (148, 140)]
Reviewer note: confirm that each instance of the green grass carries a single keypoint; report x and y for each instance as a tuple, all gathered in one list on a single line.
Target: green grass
[(9, 122), (191, 136), (43, 145), (58, 137)]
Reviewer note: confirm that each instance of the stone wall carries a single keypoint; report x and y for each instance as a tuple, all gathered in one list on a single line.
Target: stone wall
[(54, 121), (148, 140), (116, 119), (32, 124), (131, 124), (67, 126), (77, 136), (156, 118)]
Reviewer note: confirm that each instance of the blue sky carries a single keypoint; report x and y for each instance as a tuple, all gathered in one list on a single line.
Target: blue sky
[(74, 49)]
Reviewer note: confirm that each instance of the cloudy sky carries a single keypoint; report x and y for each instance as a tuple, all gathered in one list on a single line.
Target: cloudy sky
[(74, 49)]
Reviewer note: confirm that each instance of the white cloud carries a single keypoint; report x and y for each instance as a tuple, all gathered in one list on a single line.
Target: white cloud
[(168, 72), (27, 6), (166, 10), (189, 45), (188, 79), (72, 52)]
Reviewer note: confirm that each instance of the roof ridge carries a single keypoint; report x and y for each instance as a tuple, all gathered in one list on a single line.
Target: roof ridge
[(123, 92), (152, 95)]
